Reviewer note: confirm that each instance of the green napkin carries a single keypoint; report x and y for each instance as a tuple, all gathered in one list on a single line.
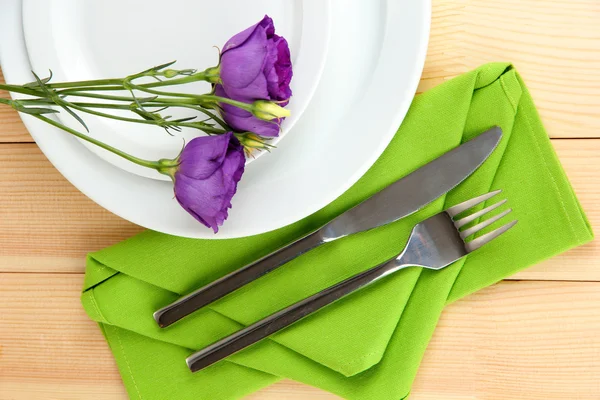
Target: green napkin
[(368, 345)]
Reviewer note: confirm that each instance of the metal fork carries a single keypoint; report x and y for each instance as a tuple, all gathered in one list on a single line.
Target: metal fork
[(433, 244)]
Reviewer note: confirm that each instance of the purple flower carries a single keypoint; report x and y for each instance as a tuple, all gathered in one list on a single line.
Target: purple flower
[(207, 175), (255, 65), (242, 120)]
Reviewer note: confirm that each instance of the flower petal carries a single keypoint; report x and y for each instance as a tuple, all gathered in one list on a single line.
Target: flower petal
[(243, 121), (283, 66), (202, 156), (249, 123), (241, 67), (266, 23)]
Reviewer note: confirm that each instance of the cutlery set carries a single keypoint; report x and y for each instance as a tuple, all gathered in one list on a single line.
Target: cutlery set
[(433, 244)]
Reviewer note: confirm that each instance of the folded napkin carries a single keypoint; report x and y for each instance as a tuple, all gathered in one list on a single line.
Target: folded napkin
[(368, 345)]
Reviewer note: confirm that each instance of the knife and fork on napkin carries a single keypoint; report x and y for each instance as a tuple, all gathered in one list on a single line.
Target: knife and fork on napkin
[(364, 346), (433, 244)]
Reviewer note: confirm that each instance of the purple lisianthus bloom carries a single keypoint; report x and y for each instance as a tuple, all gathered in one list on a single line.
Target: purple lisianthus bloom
[(242, 120), (207, 175), (255, 65)]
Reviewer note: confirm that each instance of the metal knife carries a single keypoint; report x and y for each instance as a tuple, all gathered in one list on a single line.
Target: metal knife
[(396, 201)]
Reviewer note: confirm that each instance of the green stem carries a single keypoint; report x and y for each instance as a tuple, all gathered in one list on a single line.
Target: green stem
[(161, 93), (85, 107), (142, 121), (21, 89), (76, 84), (102, 96), (128, 99), (144, 163), (208, 114), (217, 99), (105, 84), (92, 105), (180, 98), (201, 98), (158, 102)]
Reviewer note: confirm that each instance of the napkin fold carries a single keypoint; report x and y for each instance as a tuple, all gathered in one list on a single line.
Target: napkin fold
[(368, 345)]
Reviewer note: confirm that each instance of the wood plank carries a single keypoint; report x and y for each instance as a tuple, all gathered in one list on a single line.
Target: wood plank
[(514, 340), (553, 44), (46, 225)]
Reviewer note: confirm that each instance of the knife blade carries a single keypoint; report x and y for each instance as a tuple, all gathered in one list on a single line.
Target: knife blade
[(398, 200), (417, 189)]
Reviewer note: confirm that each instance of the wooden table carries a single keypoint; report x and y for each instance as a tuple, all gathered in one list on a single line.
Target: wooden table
[(534, 336)]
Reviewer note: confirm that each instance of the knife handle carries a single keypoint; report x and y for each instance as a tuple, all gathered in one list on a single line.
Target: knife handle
[(286, 317), (235, 280)]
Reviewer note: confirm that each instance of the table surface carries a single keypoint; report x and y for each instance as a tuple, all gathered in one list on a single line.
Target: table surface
[(533, 336)]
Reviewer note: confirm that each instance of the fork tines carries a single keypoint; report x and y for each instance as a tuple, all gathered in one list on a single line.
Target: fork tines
[(483, 239)]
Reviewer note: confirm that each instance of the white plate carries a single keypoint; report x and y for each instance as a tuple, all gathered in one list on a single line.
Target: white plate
[(374, 61), (81, 40)]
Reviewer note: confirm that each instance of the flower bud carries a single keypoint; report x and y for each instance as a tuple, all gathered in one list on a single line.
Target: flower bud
[(251, 142), (170, 73), (268, 110)]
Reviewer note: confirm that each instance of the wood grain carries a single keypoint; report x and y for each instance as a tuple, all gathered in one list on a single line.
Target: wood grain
[(46, 223), (49, 226), (514, 340), (555, 46)]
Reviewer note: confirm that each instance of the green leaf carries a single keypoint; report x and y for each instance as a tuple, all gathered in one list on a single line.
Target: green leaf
[(35, 84), (144, 114), (147, 99), (159, 67), (74, 115), (184, 119), (58, 100), (37, 110)]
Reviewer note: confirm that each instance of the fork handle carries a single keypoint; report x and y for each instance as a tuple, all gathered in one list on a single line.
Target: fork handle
[(287, 316), (235, 280)]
